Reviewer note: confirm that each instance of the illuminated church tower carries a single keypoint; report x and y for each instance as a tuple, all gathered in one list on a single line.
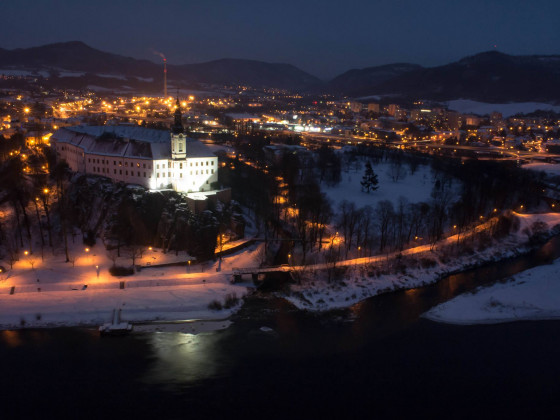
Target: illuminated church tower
[(178, 138)]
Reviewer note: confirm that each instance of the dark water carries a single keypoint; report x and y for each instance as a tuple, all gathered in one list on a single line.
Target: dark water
[(377, 360)]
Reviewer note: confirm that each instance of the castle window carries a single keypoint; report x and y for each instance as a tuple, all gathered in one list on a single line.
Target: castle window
[(144, 174), (144, 165), (120, 171), (157, 166), (114, 171), (126, 173), (138, 173), (212, 171), (180, 166), (181, 175), (157, 175), (114, 163), (169, 174), (163, 166)]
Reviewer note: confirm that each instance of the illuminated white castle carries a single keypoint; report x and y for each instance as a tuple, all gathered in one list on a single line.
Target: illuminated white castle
[(154, 159)]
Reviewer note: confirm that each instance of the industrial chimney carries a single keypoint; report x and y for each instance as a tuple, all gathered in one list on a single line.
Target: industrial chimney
[(164, 78)]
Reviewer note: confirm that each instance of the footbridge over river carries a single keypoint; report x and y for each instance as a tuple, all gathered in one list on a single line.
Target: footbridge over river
[(257, 273)]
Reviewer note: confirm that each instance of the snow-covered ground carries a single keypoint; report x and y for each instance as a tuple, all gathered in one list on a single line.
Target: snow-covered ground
[(531, 295), (415, 188), (507, 110), (549, 168), (156, 293), (366, 277)]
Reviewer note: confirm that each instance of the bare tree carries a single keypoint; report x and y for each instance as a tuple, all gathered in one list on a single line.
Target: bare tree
[(134, 252), (113, 255), (385, 214), (396, 170), (72, 260)]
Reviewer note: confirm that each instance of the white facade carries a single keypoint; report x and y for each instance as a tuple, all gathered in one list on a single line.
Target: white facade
[(135, 155)]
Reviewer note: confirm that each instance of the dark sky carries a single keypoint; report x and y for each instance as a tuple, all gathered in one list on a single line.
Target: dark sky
[(323, 37)]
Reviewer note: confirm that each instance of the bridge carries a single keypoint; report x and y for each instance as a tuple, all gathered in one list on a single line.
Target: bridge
[(255, 272)]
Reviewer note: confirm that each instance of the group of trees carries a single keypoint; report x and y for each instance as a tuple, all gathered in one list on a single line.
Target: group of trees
[(130, 220), (33, 200)]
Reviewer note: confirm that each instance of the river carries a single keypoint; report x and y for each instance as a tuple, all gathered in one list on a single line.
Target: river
[(378, 359)]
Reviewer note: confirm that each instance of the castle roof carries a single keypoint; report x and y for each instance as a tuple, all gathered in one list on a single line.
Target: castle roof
[(127, 141)]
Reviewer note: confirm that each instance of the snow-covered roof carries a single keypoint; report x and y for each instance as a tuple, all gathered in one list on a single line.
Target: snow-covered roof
[(125, 131), (141, 142)]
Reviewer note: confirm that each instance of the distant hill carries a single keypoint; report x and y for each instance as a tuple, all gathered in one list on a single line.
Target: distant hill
[(65, 61), (254, 73), (488, 77), (358, 79)]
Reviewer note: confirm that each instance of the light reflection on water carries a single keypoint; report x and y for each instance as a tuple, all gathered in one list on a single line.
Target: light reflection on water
[(183, 358)]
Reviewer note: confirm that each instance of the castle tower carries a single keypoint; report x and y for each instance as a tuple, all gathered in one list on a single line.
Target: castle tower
[(178, 139)]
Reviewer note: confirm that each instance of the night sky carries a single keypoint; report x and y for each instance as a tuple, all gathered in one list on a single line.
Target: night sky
[(323, 37)]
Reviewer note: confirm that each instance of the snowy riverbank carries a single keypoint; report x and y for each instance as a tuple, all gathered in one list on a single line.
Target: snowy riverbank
[(383, 275), (52, 293), (533, 294)]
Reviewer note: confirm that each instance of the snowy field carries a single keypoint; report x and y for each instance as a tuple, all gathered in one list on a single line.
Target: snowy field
[(507, 110), (549, 168), (52, 293), (531, 295), (415, 188)]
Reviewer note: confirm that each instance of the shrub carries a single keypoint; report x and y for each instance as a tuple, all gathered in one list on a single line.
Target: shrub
[(215, 305), (427, 262), (118, 270), (230, 300)]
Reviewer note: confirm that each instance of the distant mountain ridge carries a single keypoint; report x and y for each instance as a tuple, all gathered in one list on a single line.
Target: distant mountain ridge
[(488, 77), (75, 56)]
